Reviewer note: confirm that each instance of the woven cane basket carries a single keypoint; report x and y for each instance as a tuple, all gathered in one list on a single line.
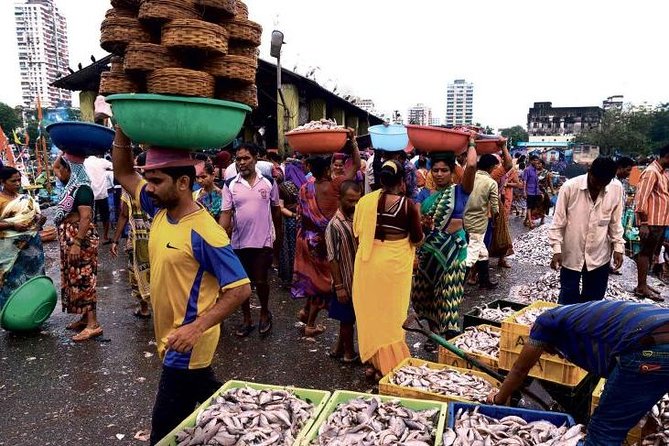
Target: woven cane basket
[(166, 10), (148, 57), (179, 81), (245, 94), (126, 4), (118, 32), (120, 12), (242, 10), (237, 68), (113, 83), (195, 34), (244, 31), (242, 49), (219, 8), (117, 65)]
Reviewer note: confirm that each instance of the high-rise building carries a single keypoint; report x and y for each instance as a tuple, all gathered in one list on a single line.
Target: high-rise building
[(419, 114), (366, 104), (435, 121), (460, 103), (41, 33), (545, 120)]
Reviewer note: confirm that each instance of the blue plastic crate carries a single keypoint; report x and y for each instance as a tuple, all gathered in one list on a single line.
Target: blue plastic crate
[(498, 412)]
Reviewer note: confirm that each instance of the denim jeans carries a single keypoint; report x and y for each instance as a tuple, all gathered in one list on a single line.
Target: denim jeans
[(638, 381), (594, 285)]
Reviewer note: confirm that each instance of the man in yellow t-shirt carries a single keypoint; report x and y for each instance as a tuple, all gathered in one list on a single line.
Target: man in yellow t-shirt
[(196, 279)]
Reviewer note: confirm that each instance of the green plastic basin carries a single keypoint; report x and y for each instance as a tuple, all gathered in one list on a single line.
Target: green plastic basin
[(30, 305), (178, 122)]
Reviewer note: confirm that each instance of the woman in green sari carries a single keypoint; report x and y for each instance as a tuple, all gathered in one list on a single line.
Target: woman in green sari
[(438, 284), (21, 253)]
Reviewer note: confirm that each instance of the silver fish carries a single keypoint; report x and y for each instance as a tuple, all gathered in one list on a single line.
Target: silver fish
[(475, 429), (369, 421), (658, 418), (481, 340), (533, 247), (495, 314), (444, 382), (530, 315), (245, 416)]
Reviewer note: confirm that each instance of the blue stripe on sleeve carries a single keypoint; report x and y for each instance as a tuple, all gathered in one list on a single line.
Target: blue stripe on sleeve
[(146, 203), (219, 261)]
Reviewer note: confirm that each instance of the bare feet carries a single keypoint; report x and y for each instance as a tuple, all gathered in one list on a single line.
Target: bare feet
[(503, 263), (312, 332)]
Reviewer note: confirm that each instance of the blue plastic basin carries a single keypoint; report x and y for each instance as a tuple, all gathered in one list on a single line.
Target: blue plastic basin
[(81, 138), (392, 138)]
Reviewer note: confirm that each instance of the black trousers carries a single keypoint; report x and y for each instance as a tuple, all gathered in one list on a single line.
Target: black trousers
[(179, 393)]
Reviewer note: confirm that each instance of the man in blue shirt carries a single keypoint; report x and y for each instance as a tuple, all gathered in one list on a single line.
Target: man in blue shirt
[(531, 181), (626, 343)]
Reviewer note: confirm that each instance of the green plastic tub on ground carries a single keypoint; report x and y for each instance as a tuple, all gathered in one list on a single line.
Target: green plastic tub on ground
[(316, 397), (342, 396)]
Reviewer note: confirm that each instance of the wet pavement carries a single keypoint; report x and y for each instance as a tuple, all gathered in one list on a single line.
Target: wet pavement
[(54, 392)]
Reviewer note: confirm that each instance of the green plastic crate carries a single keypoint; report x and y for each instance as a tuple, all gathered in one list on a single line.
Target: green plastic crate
[(318, 398), (342, 396)]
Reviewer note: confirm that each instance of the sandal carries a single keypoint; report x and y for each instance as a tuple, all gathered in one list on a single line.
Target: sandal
[(88, 333), (353, 360), (244, 330), (138, 314), (76, 325), (265, 328)]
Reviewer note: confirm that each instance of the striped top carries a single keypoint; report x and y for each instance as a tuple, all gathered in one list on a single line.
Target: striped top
[(342, 246), (652, 198), (592, 334)]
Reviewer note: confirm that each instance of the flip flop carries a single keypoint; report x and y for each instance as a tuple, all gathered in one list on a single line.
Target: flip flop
[(354, 360), (265, 328), (87, 333), (244, 330), (138, 314), (335, 355)]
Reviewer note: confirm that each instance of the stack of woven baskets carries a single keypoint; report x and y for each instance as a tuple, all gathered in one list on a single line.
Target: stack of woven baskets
[(202, 48)]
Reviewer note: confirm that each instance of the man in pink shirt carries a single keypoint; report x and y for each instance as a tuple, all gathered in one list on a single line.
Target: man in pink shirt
[(250, 206)]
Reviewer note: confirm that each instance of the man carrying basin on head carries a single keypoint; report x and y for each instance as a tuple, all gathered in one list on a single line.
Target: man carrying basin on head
[(196, 279), (626, 343)]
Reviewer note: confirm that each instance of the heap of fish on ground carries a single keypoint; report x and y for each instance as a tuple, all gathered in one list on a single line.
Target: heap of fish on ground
[(246, 416), (659, 418), (475, 429), (369, 421)]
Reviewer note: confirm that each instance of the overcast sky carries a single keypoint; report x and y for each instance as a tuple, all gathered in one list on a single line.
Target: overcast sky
[(399, 53)]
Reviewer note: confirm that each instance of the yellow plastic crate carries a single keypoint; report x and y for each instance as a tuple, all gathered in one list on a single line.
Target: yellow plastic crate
[(634, 435), (549, 367), (386, 387), (514, 335), (448, 358)]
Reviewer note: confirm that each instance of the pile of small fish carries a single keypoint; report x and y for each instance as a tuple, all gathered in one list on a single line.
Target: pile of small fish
[(444, 382), (246, 416), (473, 428), (368, 421), (481, 340), (659, 416), (495, 314), (530, 315), (323, 124), (533, 247)]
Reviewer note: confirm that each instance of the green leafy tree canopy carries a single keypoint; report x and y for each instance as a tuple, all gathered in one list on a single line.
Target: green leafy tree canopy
[(9, 119)]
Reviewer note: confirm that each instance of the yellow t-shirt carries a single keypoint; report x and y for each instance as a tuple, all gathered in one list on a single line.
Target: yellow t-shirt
[(191, 260)]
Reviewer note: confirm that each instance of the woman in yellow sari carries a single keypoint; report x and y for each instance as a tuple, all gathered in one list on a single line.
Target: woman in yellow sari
[(387, 225)]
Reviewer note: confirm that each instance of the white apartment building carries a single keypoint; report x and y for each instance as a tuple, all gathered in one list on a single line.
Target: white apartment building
[(41, 34), (460, 103), (419, 114), (366, 104)]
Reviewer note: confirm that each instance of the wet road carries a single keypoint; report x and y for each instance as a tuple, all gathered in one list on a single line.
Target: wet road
[(55, 392)]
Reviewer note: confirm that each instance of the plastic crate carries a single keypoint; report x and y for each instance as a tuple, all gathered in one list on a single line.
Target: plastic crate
[(634, 435), (318, 398), (514, 335), (386, 387), (448, 358), (472, 318), (549, 368), (342, 396), (575, 400)]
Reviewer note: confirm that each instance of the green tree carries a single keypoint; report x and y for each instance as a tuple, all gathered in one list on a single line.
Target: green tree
[(515, 134), (9, 119), (625, 131)]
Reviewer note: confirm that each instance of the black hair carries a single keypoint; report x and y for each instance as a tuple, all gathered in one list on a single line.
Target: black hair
[(604, 169), (446, 157), (348, 185), (141, 159), (319, 166), (181, 171), (533, 158), (273, 156), (664, 151), (422, 163), (624, 162), (64, 164), (390, 177), (487, 162), (7, 172), (252, 149)]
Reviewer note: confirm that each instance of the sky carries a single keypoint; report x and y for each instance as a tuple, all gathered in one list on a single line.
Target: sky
[(399, 53)]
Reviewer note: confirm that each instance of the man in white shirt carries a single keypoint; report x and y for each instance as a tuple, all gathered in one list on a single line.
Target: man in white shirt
[(98, 171), (586, 230)]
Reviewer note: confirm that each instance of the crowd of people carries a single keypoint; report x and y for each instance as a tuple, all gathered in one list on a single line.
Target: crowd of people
[(364, 237)]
